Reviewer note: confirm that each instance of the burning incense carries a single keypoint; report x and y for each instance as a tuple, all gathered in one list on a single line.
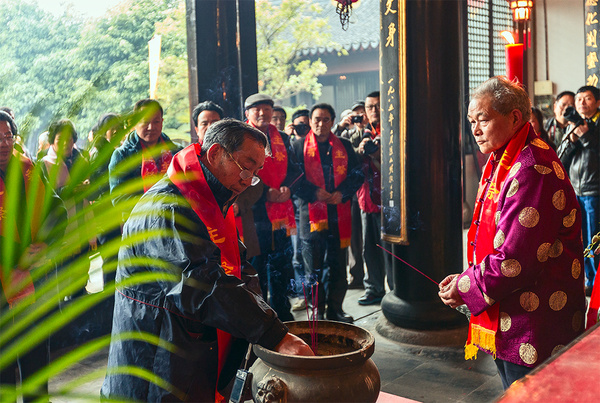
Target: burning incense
[(409, 265), (312, 319)]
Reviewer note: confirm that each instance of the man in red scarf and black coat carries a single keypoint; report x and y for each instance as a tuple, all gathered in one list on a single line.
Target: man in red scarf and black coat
[(198, 294), (274, 212), (524, 283), (332, 175)]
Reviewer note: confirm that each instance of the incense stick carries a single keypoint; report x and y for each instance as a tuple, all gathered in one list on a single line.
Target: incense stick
[(313, 319), (409, 265)]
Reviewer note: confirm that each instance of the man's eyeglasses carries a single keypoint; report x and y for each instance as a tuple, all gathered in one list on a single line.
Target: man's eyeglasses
[(374, 106), (244, 173), (8, 139)]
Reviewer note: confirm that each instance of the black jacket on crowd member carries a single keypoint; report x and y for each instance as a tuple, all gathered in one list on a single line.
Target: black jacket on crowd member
[(581, 159), (306, 191)]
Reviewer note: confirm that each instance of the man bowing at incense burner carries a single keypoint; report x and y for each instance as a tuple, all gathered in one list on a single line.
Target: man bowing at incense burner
[(524, 283)]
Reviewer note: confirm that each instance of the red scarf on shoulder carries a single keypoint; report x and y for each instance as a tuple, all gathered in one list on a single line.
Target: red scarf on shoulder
[(483, 327), (17, 283), (317, 211), (186, 173), (150, 172)]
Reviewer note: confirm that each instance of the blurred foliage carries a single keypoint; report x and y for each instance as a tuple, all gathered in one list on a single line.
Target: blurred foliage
[(68, 67), (282, 32), (60, 270)]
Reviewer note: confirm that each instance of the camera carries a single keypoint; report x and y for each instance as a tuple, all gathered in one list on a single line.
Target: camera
[(301, 129), (573, 116), (356, 118), (371, 146)]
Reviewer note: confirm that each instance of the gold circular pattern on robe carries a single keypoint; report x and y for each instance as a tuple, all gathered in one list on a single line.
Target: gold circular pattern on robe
[(540, 143), (515, 168), (577, 321), (543, 252), (498, 214), (464, 284), (557, 349), (528, 353), (529, 301), (559, 200), (569, 220), (542, 169), (558, 300), (505, 322), (499, 239), (482, 266), (514, 187), (560, 174), (510, 268), (488, 300), (576, 269), (529, 217), (557, 249)]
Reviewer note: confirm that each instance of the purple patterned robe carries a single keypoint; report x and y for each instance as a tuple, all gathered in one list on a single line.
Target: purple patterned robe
[(536, 274)]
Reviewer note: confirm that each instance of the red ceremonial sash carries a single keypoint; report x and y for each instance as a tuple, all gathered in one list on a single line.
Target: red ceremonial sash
[(317, 211), (592, 315), (150, 172), (483, 327), (369, 194), (19, 285), (273, 174), (186, 173)]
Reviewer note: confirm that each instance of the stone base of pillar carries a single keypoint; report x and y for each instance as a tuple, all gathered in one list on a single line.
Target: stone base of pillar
[(455, 338), (430, 315)]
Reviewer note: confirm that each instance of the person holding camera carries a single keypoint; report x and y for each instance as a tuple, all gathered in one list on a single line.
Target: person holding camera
[(352, 124), (300, 125), (579, 155), (369, 200), (556, 125)]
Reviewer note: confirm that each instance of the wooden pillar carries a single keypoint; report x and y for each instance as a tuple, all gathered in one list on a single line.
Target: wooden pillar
[(422, 99), (221, 53)]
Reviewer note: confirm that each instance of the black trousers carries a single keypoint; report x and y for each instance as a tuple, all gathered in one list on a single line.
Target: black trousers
[(510, 372), (275, 272), (325, 262)]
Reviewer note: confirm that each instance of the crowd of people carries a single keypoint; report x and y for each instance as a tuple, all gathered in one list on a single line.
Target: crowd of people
[(289, 190), (304, 199)]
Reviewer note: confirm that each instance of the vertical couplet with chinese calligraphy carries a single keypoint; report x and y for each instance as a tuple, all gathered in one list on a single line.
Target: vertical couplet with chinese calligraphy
[(393, 122), (592, 68)]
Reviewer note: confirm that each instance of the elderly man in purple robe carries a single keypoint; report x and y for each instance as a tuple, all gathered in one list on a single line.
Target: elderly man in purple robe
[(524, 284)]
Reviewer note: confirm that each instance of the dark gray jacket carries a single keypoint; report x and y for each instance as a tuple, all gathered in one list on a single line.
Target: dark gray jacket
[(581, 161)]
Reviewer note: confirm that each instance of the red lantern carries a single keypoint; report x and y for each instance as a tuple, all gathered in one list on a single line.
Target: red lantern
[(344, 10), (521, 9)]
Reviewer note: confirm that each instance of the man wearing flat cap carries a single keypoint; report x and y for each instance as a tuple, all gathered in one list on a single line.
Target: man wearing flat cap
[(274, 212)]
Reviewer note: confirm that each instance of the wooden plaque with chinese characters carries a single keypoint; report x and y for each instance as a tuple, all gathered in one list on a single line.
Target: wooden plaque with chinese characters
[(392, 56), (592, 67)]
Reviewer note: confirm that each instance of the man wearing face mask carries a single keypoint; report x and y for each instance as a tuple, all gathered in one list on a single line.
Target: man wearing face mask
[(300, 125), (274, 212), (206, 300)]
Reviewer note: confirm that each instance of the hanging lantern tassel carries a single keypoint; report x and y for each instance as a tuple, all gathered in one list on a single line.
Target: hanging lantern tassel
[(344, 10)]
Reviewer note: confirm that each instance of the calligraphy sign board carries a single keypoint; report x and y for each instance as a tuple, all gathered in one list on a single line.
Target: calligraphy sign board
[(592, 68), (392, 55)]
